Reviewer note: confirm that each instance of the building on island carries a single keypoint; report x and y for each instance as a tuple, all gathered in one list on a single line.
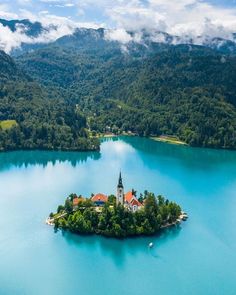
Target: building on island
[(131, 202), (99, 199), (128, 200), (120, 192)]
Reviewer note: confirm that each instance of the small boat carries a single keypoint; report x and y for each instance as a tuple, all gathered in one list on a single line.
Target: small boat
[(185, 216), (150, 245)]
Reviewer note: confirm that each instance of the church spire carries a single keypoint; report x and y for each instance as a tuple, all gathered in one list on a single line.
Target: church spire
[(120, 192), (120, 184)]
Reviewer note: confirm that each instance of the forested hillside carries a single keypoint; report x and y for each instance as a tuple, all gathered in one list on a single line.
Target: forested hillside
[(30, 119), (187, 91)]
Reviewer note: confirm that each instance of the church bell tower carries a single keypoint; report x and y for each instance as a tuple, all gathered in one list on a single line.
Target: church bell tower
[(120, 192)]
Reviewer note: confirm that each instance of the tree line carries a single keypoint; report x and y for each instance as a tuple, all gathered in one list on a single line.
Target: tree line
[(42, 122), (115, 220), (175, 90)]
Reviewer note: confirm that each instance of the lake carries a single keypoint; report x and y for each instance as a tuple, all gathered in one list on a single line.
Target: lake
[(197, 258)]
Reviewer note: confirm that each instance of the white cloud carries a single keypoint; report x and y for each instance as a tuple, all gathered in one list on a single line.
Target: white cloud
[(24, 2), (57, 3), (118, 35), (64, 5), (54, 28), (183, 17), (9, 40), (196, 19), (5, 13), (50, 1), (44, 12), (69, 5)]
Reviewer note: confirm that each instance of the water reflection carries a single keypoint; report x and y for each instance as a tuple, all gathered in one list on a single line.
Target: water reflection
[(120, 250), (174, 170), (26, 158), (65, 264), (188, 156)]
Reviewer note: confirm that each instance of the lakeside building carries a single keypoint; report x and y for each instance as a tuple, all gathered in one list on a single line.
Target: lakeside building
[(99, 199), (128, 200), (131, 202)]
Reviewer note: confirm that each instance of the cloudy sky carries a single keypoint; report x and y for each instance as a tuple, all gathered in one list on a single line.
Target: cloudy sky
[(178, 17)]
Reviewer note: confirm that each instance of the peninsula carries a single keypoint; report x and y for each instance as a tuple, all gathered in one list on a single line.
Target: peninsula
[(117, 216)]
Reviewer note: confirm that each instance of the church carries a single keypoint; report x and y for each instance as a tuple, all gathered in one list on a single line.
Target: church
[(128, 200)]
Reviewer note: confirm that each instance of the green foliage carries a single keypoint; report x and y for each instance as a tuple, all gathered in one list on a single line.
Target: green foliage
[(83, 85), (111, 200), (60, 208), (119, 222), (68, 206), (170, 90), (42, 122)]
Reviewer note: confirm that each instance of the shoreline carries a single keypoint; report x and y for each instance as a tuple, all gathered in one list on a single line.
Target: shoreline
[(162, 138), (170, 140), (182, 218)]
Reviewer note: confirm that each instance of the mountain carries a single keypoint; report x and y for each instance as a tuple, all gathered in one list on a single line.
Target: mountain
[(152, 40), (148, 87), (24, 27), (182, 90), (31, 29), (30, 119), (148, 41), (28, 36), (8, 67)]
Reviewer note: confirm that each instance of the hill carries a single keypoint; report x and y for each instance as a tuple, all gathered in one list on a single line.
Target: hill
[(145, 39), (40, 122), (159, 89)]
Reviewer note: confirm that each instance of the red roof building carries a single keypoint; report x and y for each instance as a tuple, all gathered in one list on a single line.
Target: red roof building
[(128, 197), (135, 202), (99, 199), (131, 202)]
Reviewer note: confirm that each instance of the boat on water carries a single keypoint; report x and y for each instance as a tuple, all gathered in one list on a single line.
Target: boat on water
[(184, 216), (150, 245)]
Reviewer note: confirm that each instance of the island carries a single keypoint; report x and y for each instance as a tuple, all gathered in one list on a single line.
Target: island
[(120, 216)]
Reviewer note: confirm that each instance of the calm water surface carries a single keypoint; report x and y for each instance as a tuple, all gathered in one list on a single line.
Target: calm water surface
[(199, 258)]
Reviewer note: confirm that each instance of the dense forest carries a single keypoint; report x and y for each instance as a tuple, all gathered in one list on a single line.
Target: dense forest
[(83, 84), (115, 220), (35, 121), (186, 91)]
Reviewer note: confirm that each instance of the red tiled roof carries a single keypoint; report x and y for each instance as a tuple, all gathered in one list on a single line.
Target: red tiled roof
[(128, 197), (131, 199), (136, 202), (99, 198)]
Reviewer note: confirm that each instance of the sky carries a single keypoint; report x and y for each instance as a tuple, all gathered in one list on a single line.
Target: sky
[(177, 17)]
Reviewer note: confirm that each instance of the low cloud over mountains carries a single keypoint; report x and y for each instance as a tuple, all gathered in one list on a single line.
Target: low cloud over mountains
[(190, 21)]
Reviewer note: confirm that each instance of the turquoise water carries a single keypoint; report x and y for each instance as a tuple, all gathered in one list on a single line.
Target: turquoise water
[(197, 258)]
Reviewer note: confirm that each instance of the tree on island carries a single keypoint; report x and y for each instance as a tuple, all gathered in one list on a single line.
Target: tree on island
[(116, 220), (68, 206)]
